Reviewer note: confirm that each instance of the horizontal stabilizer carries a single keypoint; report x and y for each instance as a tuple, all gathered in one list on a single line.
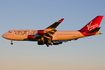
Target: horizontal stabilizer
[(94, 30)]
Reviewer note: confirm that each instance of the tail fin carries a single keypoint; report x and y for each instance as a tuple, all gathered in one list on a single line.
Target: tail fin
[(92, 24)]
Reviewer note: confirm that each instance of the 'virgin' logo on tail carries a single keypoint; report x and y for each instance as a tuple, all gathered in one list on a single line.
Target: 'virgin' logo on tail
[(90, 26)]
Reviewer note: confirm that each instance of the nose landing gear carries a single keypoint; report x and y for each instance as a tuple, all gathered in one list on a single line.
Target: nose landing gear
[(11, 42)]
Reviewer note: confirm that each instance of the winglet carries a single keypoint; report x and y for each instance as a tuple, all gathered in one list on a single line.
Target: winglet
[(61, 20)]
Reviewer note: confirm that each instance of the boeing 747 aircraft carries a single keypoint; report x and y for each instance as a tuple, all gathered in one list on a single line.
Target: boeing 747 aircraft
[(50, 36)]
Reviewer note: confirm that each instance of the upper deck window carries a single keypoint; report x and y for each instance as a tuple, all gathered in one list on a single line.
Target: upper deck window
[(9, 31)]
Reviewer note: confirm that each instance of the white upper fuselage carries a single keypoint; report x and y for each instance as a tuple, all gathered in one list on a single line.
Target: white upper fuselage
[(58, 35)]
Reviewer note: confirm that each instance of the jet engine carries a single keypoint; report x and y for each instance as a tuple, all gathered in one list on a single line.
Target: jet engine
[(30, 37), (40, 43), (56, 42), (41, 32), (33, 36)]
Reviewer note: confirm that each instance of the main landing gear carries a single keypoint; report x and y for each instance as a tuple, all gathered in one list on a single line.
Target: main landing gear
[(11, 42), (47, 44)]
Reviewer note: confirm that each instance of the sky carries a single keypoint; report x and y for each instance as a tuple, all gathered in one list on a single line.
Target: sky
[(83, 54)]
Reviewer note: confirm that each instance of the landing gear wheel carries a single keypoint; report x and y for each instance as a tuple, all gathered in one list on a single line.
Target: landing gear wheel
[(47, 45), (51, 44), (11, 43)]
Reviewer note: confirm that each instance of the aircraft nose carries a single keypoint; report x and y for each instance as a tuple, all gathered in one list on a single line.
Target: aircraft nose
[(7, 35), (3, 35)]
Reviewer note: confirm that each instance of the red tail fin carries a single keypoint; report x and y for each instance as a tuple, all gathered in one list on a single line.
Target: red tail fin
[(92, 24)]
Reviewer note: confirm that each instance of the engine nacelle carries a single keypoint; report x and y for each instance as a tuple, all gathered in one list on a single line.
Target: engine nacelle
[(30, 37), (41, 32), (57, 43), (40, 43)]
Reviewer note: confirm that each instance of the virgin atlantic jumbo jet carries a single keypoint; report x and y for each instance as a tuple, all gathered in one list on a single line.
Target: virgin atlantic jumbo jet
[(50, 36)]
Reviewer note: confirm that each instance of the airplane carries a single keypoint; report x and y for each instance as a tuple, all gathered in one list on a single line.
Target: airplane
[(50, 36)]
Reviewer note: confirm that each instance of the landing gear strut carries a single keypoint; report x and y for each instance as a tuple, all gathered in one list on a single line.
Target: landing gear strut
[(11, 42), (47, 45)]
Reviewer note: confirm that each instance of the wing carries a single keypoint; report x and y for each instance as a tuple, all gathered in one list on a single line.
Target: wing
[(54, 25), (49, 31), (45, 36)]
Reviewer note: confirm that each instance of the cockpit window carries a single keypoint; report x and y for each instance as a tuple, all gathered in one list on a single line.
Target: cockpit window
[(9, 31)]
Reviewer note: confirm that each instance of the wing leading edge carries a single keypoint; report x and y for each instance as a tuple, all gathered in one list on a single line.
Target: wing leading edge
[(54, 25)]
